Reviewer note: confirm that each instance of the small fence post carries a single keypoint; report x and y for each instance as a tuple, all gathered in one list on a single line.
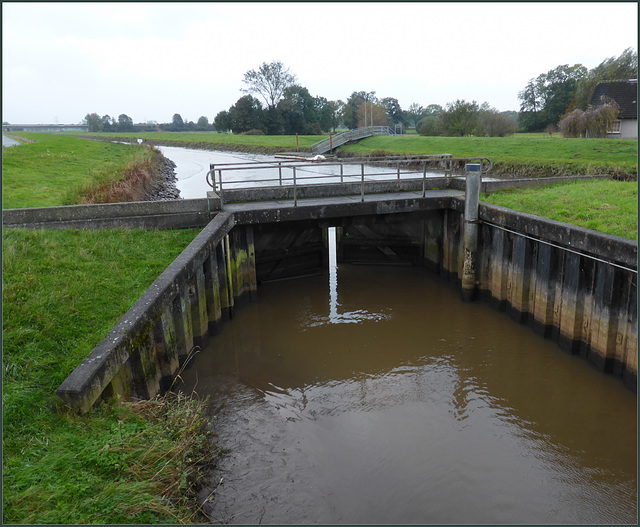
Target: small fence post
[(341, 171), (295, 189), (362, 183), (470, 231), (424, 179), (398, 167), (280, 172), (221, 194)]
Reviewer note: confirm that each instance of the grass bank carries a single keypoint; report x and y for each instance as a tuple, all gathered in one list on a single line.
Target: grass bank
[(530, 155), (603, 205), (121, 463), (265, 144), (53, 170), (535, 155)]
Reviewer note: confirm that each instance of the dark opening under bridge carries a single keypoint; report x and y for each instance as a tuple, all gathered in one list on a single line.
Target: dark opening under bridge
[(334, 141)]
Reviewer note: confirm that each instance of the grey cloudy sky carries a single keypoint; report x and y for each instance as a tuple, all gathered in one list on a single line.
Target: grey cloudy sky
[(61, 61)]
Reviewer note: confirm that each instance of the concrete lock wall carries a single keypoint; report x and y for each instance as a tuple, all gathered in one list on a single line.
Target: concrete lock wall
[(183, 307), (573, 285)]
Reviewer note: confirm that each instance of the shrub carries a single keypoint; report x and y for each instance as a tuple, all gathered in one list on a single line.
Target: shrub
[(255, 131)]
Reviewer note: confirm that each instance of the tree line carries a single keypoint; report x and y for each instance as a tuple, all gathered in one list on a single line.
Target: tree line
[(274, 103), (552, 96)]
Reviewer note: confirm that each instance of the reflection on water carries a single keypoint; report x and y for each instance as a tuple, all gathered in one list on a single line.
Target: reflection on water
[(421, 410)]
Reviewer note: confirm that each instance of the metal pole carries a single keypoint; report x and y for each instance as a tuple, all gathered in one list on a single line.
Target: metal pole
[(362, 183), (424, 179), (341, 171), (398, 167), (295, 189), (470, 232), (221, 195), (280, 173)]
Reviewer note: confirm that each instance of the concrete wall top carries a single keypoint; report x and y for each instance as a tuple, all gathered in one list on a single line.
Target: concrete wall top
[(606, 246)]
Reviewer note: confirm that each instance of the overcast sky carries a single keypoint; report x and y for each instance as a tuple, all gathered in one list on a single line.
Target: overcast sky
[(61, 61)]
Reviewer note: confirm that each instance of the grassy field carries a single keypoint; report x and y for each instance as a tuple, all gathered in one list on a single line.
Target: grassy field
[(51, 170), (217, 141), (603, 205), (119, 463), (521, 154), (530, 154)]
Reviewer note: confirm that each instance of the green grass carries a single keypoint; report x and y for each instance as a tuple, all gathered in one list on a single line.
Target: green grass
[(603, 205), (48, 171), (527, 154), (521, 154), (267, 143), (62, 293)]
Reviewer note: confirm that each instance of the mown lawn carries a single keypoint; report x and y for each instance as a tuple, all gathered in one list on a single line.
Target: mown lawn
[(603, 205)]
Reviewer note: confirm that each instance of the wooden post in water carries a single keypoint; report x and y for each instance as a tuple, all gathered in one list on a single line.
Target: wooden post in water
[(470, 232)]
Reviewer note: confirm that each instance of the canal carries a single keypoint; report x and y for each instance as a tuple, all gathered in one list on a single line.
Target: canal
[(192, 166), (372, 394)]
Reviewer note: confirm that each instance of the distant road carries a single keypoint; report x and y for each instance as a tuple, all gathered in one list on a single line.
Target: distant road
[(7, 141)]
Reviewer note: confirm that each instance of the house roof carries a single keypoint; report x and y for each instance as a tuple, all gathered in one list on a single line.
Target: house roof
[(625, 93)]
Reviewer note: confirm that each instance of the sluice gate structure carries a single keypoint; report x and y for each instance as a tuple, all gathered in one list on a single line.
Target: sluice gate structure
[(575, 286)]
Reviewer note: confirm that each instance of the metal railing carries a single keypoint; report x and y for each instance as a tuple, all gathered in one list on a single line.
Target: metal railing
[(289, 172), (340, 139)]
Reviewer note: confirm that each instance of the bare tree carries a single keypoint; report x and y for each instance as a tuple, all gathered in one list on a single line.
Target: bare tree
[(269, 81)]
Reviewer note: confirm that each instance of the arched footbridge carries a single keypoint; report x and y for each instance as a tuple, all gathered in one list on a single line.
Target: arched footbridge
[(334, 141)]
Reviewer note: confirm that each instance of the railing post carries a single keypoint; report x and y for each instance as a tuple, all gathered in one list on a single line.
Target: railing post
[(341, 171), (424, 179), (295, 189), (362, 183), (221, 193), (398, 167), (280, 172)]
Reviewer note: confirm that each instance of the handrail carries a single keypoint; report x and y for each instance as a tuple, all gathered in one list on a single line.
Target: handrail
[(350, 135), (296, 178)]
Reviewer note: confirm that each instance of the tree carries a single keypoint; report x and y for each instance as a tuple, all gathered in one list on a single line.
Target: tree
[(333, 111), (531, 104), (94, 121), (298, 110), (549, 96), (414, 114), (372, 114), (177, 122), (459, 118), (246, 115), (125, 123), (203, 123), (222, 121), (593, 123), (351, 108), (393, 109), (613, 68), (108, 123), (269, 81), (492, 123)]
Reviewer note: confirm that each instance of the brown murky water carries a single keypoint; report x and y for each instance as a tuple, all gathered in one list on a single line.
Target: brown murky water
[(377, 396)]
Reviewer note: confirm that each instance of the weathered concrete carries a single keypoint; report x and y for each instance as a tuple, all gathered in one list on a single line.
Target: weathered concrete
[(575, 286), (173, 214), (164, 324)]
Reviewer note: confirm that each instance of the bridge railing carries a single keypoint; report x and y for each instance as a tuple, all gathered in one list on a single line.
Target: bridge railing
[(290, 176), (350, 135)]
